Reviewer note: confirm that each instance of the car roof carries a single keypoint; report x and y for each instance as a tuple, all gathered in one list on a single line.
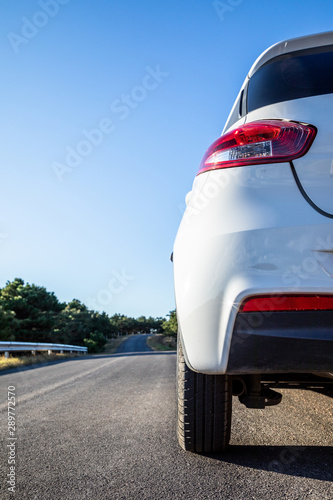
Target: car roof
[(304, 42)]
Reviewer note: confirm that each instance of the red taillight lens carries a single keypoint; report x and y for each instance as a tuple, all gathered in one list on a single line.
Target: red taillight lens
[(288, 303), (267, 141)]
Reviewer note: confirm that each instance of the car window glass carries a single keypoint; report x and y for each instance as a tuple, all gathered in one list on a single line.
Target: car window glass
[(292, 76)]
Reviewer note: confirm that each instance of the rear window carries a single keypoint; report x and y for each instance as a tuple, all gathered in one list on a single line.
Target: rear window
[(300, 74)]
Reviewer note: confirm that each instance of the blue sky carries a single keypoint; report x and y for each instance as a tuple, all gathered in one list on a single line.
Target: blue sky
[(107, 108)]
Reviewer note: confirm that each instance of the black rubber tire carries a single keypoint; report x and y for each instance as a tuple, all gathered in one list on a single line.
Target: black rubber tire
[(204, 409)]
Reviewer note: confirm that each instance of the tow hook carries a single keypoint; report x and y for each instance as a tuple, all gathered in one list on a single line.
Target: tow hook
[(266, 397), (259, 396)]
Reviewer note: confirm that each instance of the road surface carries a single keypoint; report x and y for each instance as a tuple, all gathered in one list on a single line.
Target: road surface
[(136, 343), (103, 427)]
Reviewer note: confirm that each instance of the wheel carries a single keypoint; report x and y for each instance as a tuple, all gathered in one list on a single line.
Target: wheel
[(204, 408)]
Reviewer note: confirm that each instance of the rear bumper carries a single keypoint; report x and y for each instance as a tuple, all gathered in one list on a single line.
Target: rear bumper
[(245, 234), (282, 342)]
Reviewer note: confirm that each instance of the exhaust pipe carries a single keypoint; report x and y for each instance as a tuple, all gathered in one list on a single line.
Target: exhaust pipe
[(238, 386)]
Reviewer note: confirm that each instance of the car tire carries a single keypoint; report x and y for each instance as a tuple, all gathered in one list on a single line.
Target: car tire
[(204, 408)]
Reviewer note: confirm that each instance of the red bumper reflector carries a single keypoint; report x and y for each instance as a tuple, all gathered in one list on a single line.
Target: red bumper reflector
[(287, 303)]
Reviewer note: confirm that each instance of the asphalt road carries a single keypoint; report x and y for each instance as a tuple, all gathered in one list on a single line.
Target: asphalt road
[(137, 343), (103, 427)]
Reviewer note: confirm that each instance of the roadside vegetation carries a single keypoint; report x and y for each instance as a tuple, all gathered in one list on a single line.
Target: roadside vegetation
[(160, 342), (170, 326), (167, 340), (28, 359), (112, 345), (30, 313)]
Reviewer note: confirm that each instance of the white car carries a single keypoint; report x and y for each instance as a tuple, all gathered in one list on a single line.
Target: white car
[(253, 257)]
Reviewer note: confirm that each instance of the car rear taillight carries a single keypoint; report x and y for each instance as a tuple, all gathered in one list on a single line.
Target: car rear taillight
[(266, 141), (287, 302)]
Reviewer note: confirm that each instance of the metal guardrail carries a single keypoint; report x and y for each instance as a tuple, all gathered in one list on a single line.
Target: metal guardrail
[(8, 347)]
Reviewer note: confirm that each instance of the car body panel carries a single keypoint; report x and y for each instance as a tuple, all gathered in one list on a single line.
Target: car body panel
[(315, 169), (264, 245)]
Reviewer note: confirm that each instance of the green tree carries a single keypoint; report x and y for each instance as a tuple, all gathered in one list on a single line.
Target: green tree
[(123, 325), (95, 342), (8, 325), (170, 326), (73, 324), (29, 313), (35, 311), (155, 324)]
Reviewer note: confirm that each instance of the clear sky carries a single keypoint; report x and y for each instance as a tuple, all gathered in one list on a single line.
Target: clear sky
[(107, 107)]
